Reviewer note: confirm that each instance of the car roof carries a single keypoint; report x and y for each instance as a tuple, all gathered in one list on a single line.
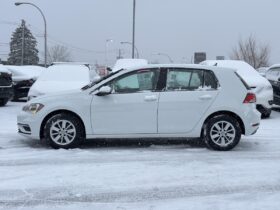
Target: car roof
[(189, 66), (274, 66)]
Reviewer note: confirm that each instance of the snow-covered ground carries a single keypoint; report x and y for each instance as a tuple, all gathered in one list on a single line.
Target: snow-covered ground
[(131, 176)]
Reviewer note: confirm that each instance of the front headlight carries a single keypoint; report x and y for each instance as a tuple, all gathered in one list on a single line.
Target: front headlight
[(33, 108)]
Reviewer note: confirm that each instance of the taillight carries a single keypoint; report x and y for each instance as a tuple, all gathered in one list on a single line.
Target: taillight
[(250, 98)]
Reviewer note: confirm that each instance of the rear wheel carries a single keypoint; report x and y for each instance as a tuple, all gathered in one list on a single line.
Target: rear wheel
[(64, 131), (222, 133)]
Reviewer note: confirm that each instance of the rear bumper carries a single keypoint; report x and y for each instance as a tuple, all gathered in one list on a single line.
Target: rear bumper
[(252, 121)]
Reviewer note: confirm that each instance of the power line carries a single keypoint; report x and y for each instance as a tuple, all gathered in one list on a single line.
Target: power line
[(70, 46)]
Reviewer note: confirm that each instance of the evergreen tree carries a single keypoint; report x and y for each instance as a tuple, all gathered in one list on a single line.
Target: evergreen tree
[(23, 47)]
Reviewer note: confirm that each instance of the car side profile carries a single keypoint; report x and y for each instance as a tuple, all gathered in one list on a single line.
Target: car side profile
[(154, 101)]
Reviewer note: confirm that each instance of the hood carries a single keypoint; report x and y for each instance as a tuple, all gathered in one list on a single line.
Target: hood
[(65, 94), (52, 87)]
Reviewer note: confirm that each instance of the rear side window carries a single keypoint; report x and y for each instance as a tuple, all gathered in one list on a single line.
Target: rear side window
[(210, 81), (183, 79), (243, 81), (191, 79)]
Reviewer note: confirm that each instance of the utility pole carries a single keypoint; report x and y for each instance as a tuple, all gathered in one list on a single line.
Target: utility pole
[(133, 30), (22, 44)]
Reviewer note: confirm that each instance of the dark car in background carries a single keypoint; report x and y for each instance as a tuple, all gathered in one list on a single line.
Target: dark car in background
[(23, 78), (273, 76), (6, 86)]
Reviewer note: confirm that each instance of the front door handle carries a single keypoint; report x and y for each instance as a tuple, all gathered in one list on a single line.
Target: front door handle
[(205, 97), (150, 98)]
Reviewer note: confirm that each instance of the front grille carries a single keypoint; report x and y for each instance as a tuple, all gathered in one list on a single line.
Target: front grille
[(5, 80)]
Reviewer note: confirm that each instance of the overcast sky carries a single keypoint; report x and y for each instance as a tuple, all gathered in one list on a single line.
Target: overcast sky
[(176, 27)]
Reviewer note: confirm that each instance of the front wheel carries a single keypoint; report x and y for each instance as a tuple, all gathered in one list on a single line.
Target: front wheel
[(64, 131), (222, 133)]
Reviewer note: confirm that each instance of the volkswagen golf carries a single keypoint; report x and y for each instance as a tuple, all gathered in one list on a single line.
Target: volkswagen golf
[(153, 101)]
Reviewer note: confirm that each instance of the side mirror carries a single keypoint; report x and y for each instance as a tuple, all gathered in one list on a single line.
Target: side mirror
[(105, 90)]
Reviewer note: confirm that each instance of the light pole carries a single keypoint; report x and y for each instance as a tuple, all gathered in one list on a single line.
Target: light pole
[(166, 55), (133, 29), (135, 48), (106, 48), (45, 24)]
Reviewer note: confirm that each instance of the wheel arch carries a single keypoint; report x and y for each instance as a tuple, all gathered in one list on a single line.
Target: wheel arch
[(59, 112), (229, 113)]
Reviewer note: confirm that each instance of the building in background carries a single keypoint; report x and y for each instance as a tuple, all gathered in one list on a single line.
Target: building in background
[(199, 57)]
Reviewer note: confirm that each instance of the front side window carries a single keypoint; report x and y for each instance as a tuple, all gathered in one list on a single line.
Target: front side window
[(142, 80)]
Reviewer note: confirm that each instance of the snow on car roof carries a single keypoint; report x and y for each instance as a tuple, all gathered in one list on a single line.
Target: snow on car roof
[(29, 71), (274, 66), (129, 63), (3, 69), (65, 73), (246, 71)]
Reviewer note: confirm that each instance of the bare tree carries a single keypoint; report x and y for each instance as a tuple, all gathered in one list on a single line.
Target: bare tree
[(59, 53), (254, 53)]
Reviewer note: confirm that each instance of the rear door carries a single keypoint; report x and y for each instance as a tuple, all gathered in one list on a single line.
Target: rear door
[(187, 95)]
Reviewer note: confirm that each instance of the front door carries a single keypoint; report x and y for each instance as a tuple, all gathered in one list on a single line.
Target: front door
[(130, 109)]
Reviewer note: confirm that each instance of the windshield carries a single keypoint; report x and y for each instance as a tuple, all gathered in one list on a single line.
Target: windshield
[(90, 85)]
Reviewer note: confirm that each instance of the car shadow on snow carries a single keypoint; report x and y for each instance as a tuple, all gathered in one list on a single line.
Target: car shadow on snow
[(140, 143)]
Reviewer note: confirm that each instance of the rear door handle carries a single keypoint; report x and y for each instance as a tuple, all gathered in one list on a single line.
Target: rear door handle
[(150, 98), (205, 97)]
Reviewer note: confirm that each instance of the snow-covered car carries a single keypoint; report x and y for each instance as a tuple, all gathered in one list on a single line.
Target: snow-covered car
[(273, 76), (260, 85), (153, 101), (262, 70), (6, 85), (128, 63), (23, 78), (62, 77)]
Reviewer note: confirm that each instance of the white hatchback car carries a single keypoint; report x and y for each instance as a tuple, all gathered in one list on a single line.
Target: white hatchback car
[(155, 101)]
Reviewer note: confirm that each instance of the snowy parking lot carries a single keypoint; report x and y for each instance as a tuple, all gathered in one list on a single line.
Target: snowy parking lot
[(145, 176)]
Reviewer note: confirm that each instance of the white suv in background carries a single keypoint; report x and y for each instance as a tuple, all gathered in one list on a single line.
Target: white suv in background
[(155, 101), (259, 85), (62, 77)]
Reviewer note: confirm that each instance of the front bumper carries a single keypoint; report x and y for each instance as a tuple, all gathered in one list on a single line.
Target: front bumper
[(29, 125)]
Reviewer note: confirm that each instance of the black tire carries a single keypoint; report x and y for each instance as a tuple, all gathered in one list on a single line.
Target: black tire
[(234, 130), (3, 101), (266, 114), (76, 138)]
